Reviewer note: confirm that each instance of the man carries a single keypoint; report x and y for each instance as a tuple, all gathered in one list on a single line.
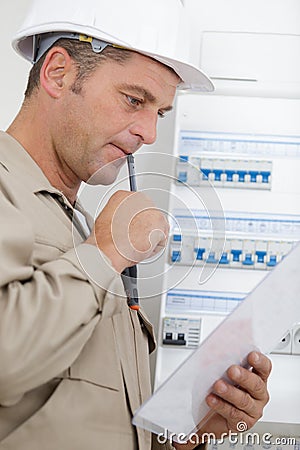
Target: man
[(74, 356)]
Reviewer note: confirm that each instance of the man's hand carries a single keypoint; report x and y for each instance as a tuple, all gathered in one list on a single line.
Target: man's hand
[(129, 229), (243, 402)]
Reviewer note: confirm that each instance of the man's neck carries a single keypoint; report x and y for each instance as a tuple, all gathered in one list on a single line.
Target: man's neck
[(33, 138)]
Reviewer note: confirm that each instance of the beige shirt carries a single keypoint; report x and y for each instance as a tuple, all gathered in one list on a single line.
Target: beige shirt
[(74, 357)]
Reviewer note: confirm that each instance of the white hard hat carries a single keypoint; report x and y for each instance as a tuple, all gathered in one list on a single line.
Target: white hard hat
[(155, 28)]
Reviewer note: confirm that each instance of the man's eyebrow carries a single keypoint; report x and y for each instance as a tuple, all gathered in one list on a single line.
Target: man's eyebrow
[(144, 93)]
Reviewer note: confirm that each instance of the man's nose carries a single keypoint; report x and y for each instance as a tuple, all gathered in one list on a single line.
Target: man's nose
[(145, 126)]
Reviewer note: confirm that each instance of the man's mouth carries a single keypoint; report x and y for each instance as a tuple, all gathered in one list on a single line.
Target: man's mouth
[(125, 152), (127, 149)]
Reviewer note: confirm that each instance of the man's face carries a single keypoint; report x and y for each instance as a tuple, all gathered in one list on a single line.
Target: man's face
[(115, 114)]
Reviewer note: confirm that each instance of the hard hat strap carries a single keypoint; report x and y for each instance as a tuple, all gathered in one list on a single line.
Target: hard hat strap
[(42, 42)]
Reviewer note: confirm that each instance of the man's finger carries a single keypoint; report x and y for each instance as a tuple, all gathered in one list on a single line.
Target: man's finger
[(261, 364), (239, 398), (232, 415), (249, 382)]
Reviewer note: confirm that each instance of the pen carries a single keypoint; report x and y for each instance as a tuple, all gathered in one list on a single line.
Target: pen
[(131, 172), (129, 275)]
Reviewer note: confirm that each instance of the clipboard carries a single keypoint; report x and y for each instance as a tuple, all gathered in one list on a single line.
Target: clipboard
[(178, 406)]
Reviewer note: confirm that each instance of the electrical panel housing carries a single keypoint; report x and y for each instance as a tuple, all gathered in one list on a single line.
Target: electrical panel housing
[(235, 214)]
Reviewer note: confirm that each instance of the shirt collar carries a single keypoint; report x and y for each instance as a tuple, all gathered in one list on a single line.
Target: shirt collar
[(17, 160)]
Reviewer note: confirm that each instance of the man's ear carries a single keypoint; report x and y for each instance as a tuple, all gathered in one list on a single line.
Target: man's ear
[(56, 71)]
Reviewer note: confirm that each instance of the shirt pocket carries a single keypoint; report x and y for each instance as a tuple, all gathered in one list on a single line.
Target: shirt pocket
[(99, 362)]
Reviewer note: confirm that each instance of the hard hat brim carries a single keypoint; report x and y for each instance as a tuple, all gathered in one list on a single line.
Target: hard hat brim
[(192, 77)]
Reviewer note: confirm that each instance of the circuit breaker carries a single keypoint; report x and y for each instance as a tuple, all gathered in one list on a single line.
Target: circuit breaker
[(181, 331)]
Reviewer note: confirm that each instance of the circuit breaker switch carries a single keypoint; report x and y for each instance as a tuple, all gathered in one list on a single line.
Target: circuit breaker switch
[(205, 173), (236, 255), (272, 261), (260, 256), (217, 174), (212, 258), (176, 256), (199, 253), (253, 176), (224, 258), (183, 158), (265, 176), (242, 174), (229, 175), (248, 261), (182, 177), (177, 237)]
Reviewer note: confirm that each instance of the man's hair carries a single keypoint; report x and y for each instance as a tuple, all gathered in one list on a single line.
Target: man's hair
[(86, 61)]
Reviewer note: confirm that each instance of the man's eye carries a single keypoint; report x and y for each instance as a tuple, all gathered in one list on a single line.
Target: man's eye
[(133, 100), (161, 114)]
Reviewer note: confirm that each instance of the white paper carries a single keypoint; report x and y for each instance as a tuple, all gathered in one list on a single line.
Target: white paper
[(259, 322)]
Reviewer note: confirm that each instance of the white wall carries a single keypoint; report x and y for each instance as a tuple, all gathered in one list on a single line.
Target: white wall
[(14, 69)]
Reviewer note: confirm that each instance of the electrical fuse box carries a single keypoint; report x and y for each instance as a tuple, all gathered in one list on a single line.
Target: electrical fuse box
[(193, 243), (181, 332), (224, 172), (237, 253)]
